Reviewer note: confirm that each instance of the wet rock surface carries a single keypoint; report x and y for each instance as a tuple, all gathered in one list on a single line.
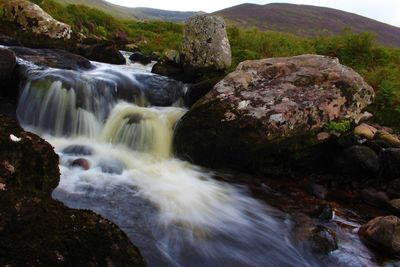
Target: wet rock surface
[(53, 58), (382, 233), (36, 230), (271, 109), (102, 51)]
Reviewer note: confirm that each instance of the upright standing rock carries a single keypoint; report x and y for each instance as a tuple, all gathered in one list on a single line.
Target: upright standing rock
[(206, 43)]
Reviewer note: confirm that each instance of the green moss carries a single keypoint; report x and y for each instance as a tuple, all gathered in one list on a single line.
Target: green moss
[(341, 126)]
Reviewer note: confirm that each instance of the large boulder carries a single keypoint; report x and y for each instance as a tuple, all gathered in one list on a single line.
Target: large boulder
[(382, 233), (36, 230), (206, 43), (270, 111), (32, 18)]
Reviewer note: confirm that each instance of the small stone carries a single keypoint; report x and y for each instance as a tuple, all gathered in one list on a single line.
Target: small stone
[(363, 117), (391, 139), (2, 187), (323, 136), (319, 191), (326, 213), (365, 131), (10, 168), (324, 240), (173, 56), (81, 162)]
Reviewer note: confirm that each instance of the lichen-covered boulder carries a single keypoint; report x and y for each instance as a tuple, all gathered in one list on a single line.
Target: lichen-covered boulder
[(36, 230), (206, 43), (382, 233), (271, 110), (31, 17)]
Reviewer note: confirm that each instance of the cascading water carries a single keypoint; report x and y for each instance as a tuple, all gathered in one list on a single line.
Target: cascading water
[(176, 213)]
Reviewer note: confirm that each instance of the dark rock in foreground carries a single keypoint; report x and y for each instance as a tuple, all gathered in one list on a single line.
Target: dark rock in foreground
[(36, 230), (271, 112)]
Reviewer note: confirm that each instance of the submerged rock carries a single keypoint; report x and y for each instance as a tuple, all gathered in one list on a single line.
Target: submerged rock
[(382, 233), (321, 239), (36, 230), (82, 163), (78, 150), (270, 111), (112, 166)]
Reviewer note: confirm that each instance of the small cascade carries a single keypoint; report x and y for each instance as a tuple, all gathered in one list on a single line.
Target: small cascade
[(142, 129)]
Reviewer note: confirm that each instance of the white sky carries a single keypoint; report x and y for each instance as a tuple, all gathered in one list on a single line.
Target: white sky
[(387, 11)]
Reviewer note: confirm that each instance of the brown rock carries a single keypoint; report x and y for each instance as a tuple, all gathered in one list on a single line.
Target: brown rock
[(82, 163), (382, 233), (391, 139), (365, 131), (268, 109)]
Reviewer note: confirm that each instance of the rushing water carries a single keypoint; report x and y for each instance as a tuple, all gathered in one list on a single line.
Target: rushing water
[(120, 120)]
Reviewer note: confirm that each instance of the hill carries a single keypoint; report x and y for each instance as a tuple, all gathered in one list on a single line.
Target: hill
[(140, 13), (307, 20)]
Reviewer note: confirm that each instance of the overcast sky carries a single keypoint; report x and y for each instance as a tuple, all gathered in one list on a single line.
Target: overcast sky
[(383, 10)]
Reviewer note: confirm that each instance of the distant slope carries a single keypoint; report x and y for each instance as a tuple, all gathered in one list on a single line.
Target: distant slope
[(133, 13), (307, 20)]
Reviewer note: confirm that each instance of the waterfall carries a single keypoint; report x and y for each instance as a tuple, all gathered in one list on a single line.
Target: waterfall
[(121, 121)]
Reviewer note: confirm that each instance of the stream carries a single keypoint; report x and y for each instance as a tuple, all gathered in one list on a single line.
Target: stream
[(112, 127)]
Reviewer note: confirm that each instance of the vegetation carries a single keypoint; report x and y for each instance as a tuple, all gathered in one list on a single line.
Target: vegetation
[(339, 126), (379, 65)]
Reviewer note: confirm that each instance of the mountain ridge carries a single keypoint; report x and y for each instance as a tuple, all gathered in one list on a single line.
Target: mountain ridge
[(138, 13), (307, 20)]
